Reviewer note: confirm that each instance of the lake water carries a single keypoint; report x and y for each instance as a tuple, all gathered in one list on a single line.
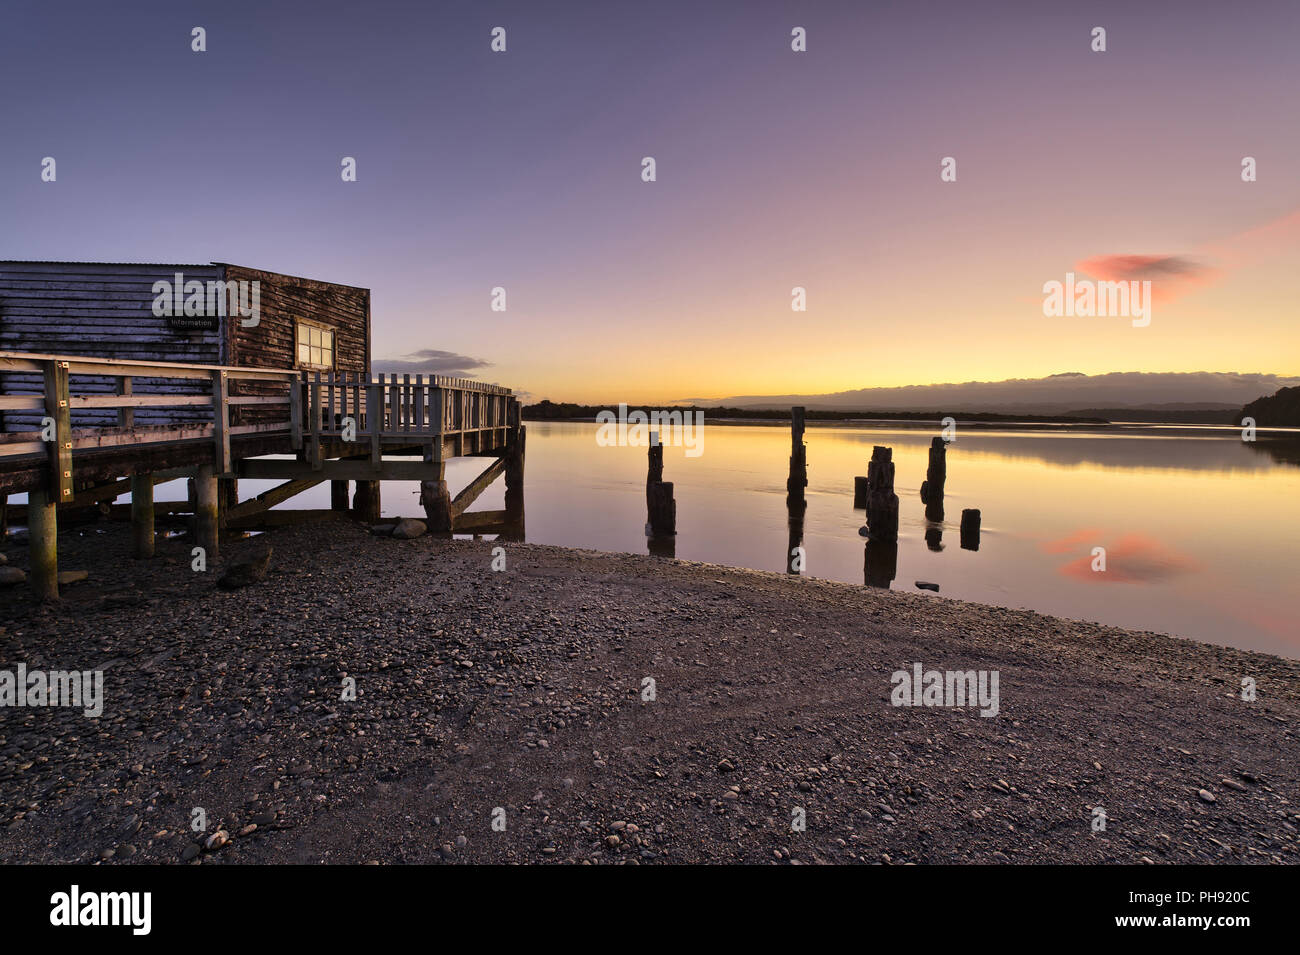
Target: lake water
[(1201, 530)]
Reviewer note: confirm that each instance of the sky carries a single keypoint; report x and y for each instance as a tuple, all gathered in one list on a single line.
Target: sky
[(775, 169)]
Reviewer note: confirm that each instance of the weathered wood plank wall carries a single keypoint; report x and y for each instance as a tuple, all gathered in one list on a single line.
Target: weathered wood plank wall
[(101, 310), (105, 310)]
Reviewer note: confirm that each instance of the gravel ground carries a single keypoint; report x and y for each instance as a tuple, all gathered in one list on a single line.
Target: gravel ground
[(521, 691)]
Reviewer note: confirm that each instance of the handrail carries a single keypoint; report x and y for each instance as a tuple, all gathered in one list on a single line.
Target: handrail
[(319, 404)]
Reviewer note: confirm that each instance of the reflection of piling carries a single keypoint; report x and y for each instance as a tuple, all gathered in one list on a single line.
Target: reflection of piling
[(515, 457), (970, 529), (661, 509), (882, 502), (798, 479), (665, 546), (880, 563), (794, 552), (934, 538), (935, 476)]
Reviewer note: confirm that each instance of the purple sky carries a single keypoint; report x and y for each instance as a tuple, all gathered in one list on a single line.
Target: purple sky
[(775, 169)]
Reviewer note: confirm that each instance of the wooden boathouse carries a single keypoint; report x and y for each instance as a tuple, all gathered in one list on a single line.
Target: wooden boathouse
[(115, 377)]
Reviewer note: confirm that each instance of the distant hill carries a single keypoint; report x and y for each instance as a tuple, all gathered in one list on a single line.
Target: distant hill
[(547, 410), (1056, 394), (1281, 410)]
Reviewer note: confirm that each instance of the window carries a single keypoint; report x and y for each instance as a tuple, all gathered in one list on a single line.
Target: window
[(315, 346)]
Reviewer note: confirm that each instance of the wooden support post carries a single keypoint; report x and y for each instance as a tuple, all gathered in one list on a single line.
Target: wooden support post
[(58, 407), (221, 421), (338, 495), (227, 497), (206, 531), (437, 500), (366, 504), (43, 533), (798, 479), (142, 531), (515, 475)]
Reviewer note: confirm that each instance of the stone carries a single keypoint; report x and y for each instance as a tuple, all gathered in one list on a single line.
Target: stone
[(1207, 796), (72, 576), (246, 572), (11, 576), (409, 529), (926, 585), (217, 840)]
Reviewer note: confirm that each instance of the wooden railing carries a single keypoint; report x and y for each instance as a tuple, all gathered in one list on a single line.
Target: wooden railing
[(316, 406), (57, 440)]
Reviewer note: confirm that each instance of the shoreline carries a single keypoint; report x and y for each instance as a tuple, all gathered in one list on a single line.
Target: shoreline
[(522, 690)]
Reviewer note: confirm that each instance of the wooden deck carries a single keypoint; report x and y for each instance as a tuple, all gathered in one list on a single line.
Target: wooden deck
[(338, 426), (323, 426)]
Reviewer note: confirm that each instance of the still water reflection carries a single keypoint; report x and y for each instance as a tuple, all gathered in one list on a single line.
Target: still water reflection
[(1200, 530)]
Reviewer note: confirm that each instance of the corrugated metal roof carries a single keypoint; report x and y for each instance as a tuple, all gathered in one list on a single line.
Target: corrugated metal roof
[(160, 265)]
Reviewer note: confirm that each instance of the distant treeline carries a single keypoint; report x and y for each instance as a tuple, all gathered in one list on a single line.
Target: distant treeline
[(1281, 410), (563, 410), (1166, 415)]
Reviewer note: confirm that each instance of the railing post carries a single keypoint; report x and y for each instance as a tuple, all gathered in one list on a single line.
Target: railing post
[(60, 451), (125, 416), (375, 420), (295, 412), (221, 421), (313, 421)]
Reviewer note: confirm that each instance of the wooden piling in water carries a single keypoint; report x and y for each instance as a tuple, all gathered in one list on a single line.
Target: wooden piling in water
[(882, 502), (661, 509), (206, 525), (935, 476), (860, 488), (43, 549), (798, 479), (142, 516)]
